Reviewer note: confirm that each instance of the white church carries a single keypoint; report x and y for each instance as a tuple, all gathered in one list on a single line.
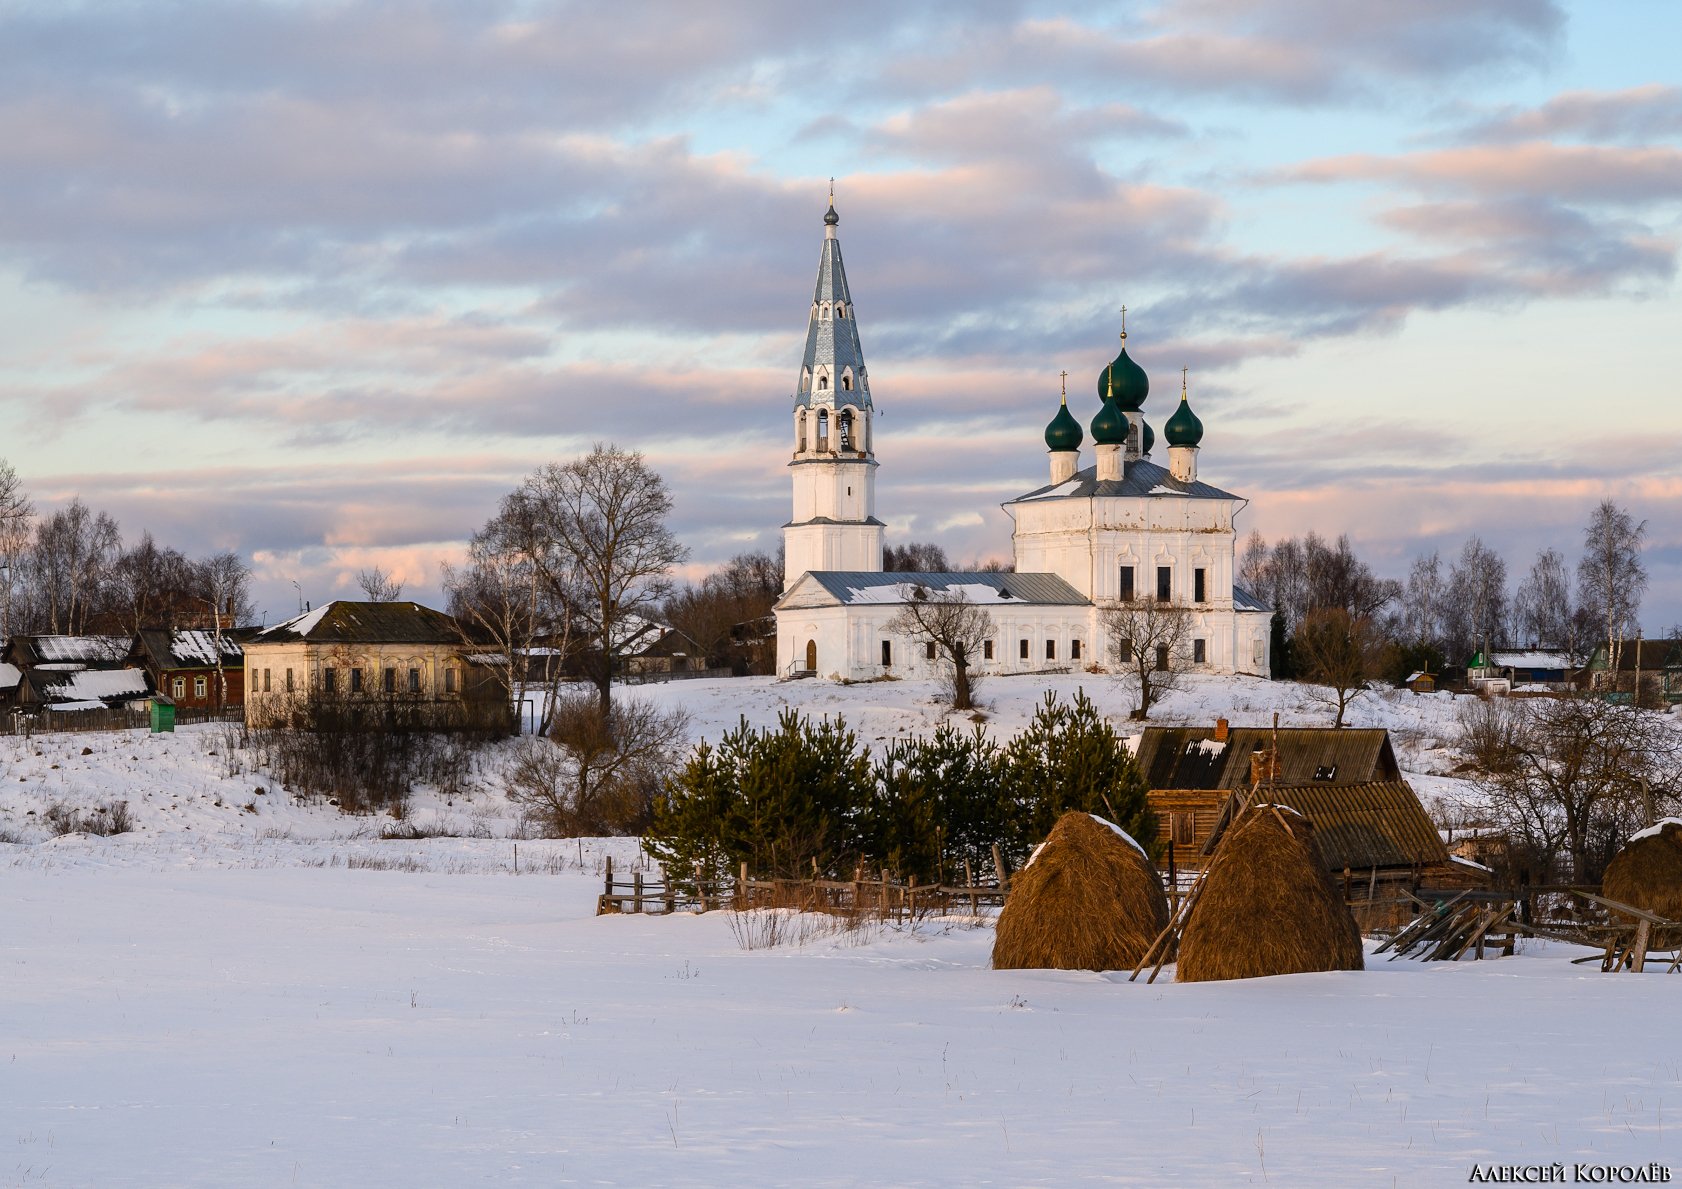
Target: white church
[(1124, 528)]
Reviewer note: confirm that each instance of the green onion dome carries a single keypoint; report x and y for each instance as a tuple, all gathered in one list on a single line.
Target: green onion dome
[(1147, 436), (1125, 380), (1183, 428), (1064, 431), (1109, 427)]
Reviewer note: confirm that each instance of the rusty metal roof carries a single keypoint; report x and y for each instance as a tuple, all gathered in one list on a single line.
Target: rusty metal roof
[(1358, 826), (1191, 757)]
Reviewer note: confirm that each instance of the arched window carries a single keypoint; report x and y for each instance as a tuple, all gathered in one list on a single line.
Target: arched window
[(844, 423), (823, 383), (823, 311), (840, 309), (800, 432), (847, 380), (805, 379), (823, 429)]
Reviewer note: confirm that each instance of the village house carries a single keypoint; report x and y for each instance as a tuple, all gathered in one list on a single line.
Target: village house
[(362, 656), (195, 669), (69, 673)]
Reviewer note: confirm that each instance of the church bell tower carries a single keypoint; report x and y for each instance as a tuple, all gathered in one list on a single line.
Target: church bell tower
[(834, 526)]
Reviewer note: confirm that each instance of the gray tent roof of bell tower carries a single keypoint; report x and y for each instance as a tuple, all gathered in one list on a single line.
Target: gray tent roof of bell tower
[(833, 341)]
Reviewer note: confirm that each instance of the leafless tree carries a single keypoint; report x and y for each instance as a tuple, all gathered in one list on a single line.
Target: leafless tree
[(152, 586), (73, 552), (1339, 651), (1255, 568), (595, 528), (598, 773), (379, 586), (225, 581), (1542, 612), (955, 626), (506, 607), (1611, 577), (716, 613), (915, 556), (1475, 603), (1149, 642), (17, 516), (1422, 602), (1577, 775)]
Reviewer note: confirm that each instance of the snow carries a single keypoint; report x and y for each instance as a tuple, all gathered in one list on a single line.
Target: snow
[(1534, 659), (901, 592), (303, 624), (9, 675), (1209, 747), (1164, 489), (201, 646), (1656, 829), (249, 989), (1062, 489), (1120, 833), (81, 648), (88, 684)]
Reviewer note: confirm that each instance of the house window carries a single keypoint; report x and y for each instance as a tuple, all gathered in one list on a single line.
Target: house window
[(201, 687), (1326, 772), (1180, 827), (1074, 650), (1127, 584), (414, 681), (1162, 658), (267, 685), (450, 680), (289, 681), (388, 681), (1199, 651), (887, 653), (356, 681), (987, 650), (330, 679), (178, 687), (928, 650), (256, 678), (1022, 651), (1199, 591), (1051, 650), (1164, 584)]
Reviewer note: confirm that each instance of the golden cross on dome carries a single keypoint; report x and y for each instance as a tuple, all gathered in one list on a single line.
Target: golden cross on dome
[(1124, 321), (1064, 376), (1183, 372)]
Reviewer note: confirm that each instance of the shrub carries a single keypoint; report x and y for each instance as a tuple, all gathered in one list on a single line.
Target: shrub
[(597, 774), (937, 805), (113, 817)]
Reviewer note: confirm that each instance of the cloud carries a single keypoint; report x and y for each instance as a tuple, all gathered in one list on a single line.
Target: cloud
[(1651, 111), (1572, 173)]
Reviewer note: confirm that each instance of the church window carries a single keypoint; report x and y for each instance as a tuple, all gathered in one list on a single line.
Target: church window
[(1199, 588), (800, 437), (1051, 650), (1199, 652), (844, 426), (823, 311), (805, 379), (267, 685), (1022, 651), (289, 681), (1164, 584), (928, 650), (388, 681), (414, 681), (840, 309), (987, 650), (823, 429), (1124, 651), (823, 383), (356, 680), (887, 653), (330, 680), (1162, 658), (1074, 650), (847, 379), (256, 681), (1126, 584)]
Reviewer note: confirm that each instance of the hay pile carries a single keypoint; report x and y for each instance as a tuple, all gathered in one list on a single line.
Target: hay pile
[(1088, 900), (1647, 873), (1267, 906)]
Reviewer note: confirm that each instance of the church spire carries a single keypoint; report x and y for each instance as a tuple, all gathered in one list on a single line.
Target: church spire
[(832, 370)]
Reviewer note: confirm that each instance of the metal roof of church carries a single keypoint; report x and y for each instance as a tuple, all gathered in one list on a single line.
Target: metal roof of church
[(890, 586), (832, 341), (1141, 478)]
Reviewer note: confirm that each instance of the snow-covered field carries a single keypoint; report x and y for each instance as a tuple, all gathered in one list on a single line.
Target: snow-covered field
[(244, 990)]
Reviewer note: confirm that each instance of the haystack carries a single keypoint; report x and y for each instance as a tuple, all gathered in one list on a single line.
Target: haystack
[(1647, 873), (1267, 905), (1088, 900)]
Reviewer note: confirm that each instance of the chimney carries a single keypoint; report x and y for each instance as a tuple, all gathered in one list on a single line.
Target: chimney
[(1222, 730)]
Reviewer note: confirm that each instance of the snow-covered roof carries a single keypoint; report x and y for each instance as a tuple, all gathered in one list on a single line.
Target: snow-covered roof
[(89, 684), (1532, 659), (346, 622), (190, 649), (860, 587), (85, 649), (1141, 479), (10, 675), (1655, 829)]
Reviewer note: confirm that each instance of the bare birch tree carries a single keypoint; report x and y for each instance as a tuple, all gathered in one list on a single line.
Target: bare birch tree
[(379, 586), (17, 516), (1610, 577), (955, 626), (1149, 642)]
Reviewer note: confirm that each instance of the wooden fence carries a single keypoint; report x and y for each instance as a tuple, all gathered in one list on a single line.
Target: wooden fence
[(876, 895), (79, 722)]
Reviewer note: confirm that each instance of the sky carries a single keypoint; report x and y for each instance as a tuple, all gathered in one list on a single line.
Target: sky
[(320, 282)]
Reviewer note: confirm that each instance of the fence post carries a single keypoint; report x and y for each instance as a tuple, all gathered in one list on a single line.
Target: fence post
[(742, 899), (671, 892), (969, 879), (607, 882), (636, 893), (700, 888)]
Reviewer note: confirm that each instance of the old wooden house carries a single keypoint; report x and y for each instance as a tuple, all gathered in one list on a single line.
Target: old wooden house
[(196, 669)]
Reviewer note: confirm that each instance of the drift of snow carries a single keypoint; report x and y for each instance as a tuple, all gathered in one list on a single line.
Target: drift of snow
[(1654, 830)]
